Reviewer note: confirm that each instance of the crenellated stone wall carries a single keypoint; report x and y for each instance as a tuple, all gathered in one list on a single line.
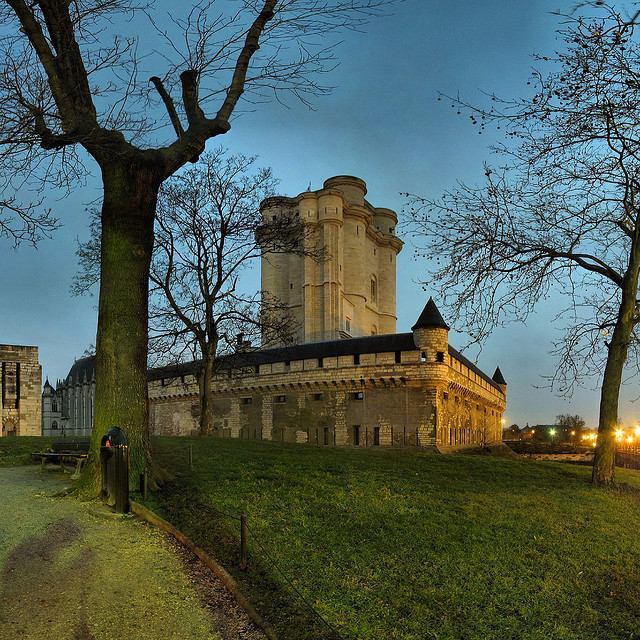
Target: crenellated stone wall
[(379, 401)]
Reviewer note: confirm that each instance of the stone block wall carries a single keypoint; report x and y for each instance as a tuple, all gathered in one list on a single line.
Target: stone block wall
[(384, 401), (21, 389)]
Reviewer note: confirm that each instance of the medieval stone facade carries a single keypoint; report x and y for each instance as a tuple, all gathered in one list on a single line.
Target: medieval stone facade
[(20, 383), (350, 380), (351, 294), (396, 390)]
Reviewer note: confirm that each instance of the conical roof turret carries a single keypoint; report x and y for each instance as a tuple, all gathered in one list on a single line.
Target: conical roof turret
[(498, 377), (430, 317), (48, 389)]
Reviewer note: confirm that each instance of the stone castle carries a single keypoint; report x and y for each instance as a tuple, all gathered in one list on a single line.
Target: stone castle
[(350, 379), (20, 384)]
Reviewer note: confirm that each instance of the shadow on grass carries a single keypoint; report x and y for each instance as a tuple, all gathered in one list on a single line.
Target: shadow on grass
[(182, 504)]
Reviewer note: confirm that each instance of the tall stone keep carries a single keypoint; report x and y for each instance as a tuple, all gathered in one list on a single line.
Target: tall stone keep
[(20, 384), (352, 292)]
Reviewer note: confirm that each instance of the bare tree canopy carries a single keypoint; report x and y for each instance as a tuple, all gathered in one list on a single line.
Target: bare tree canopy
[(71, 88), (210, 230), (559, 213)]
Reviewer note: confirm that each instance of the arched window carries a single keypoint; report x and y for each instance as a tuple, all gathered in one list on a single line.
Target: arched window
[(374, 289)]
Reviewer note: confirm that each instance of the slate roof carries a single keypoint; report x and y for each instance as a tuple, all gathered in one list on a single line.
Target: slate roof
[(498, 377), (83, 366), (385, 343), (430, 317)]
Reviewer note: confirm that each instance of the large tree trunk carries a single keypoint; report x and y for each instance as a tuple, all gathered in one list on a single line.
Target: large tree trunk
[(206, 394), (604, 462), (128, 211)]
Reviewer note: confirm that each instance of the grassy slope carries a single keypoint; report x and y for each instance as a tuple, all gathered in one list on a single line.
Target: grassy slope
[(412, 545), (17, 451)]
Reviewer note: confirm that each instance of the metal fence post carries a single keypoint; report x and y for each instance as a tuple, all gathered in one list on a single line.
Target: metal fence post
[(244, 534)]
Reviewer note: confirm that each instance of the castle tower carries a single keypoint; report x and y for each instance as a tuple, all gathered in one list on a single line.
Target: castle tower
[(431, 333), (352, 292)]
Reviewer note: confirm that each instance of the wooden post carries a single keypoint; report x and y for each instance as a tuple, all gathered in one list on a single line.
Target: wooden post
[(244, 534), (144, 484)]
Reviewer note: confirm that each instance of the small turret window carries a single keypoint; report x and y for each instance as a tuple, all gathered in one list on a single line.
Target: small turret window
[(423, 357), (440, 356)]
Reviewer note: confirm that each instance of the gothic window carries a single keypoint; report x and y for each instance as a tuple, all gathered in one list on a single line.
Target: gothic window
[(347, 325), (54, 425), (374, 290)]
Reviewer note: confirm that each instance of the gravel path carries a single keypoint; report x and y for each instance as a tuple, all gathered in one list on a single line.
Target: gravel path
[(76, 571)]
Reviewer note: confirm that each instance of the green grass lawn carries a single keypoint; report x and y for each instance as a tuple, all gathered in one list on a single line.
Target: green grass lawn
[(412, 545), (17, 451)]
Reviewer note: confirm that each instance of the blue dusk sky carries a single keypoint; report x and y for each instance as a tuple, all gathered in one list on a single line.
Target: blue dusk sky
[(383, 123)]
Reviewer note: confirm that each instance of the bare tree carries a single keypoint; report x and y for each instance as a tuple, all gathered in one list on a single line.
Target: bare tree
[(209, 229), (68, 95), (571, 425), (562, 214)]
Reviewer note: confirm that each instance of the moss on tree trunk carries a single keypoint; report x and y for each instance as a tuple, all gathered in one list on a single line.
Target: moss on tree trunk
[(128, 210)]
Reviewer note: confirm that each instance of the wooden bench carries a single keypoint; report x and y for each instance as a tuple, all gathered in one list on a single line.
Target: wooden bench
[(74, 450)]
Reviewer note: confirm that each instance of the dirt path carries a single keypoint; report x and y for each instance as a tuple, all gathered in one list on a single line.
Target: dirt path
[(75, 571)]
